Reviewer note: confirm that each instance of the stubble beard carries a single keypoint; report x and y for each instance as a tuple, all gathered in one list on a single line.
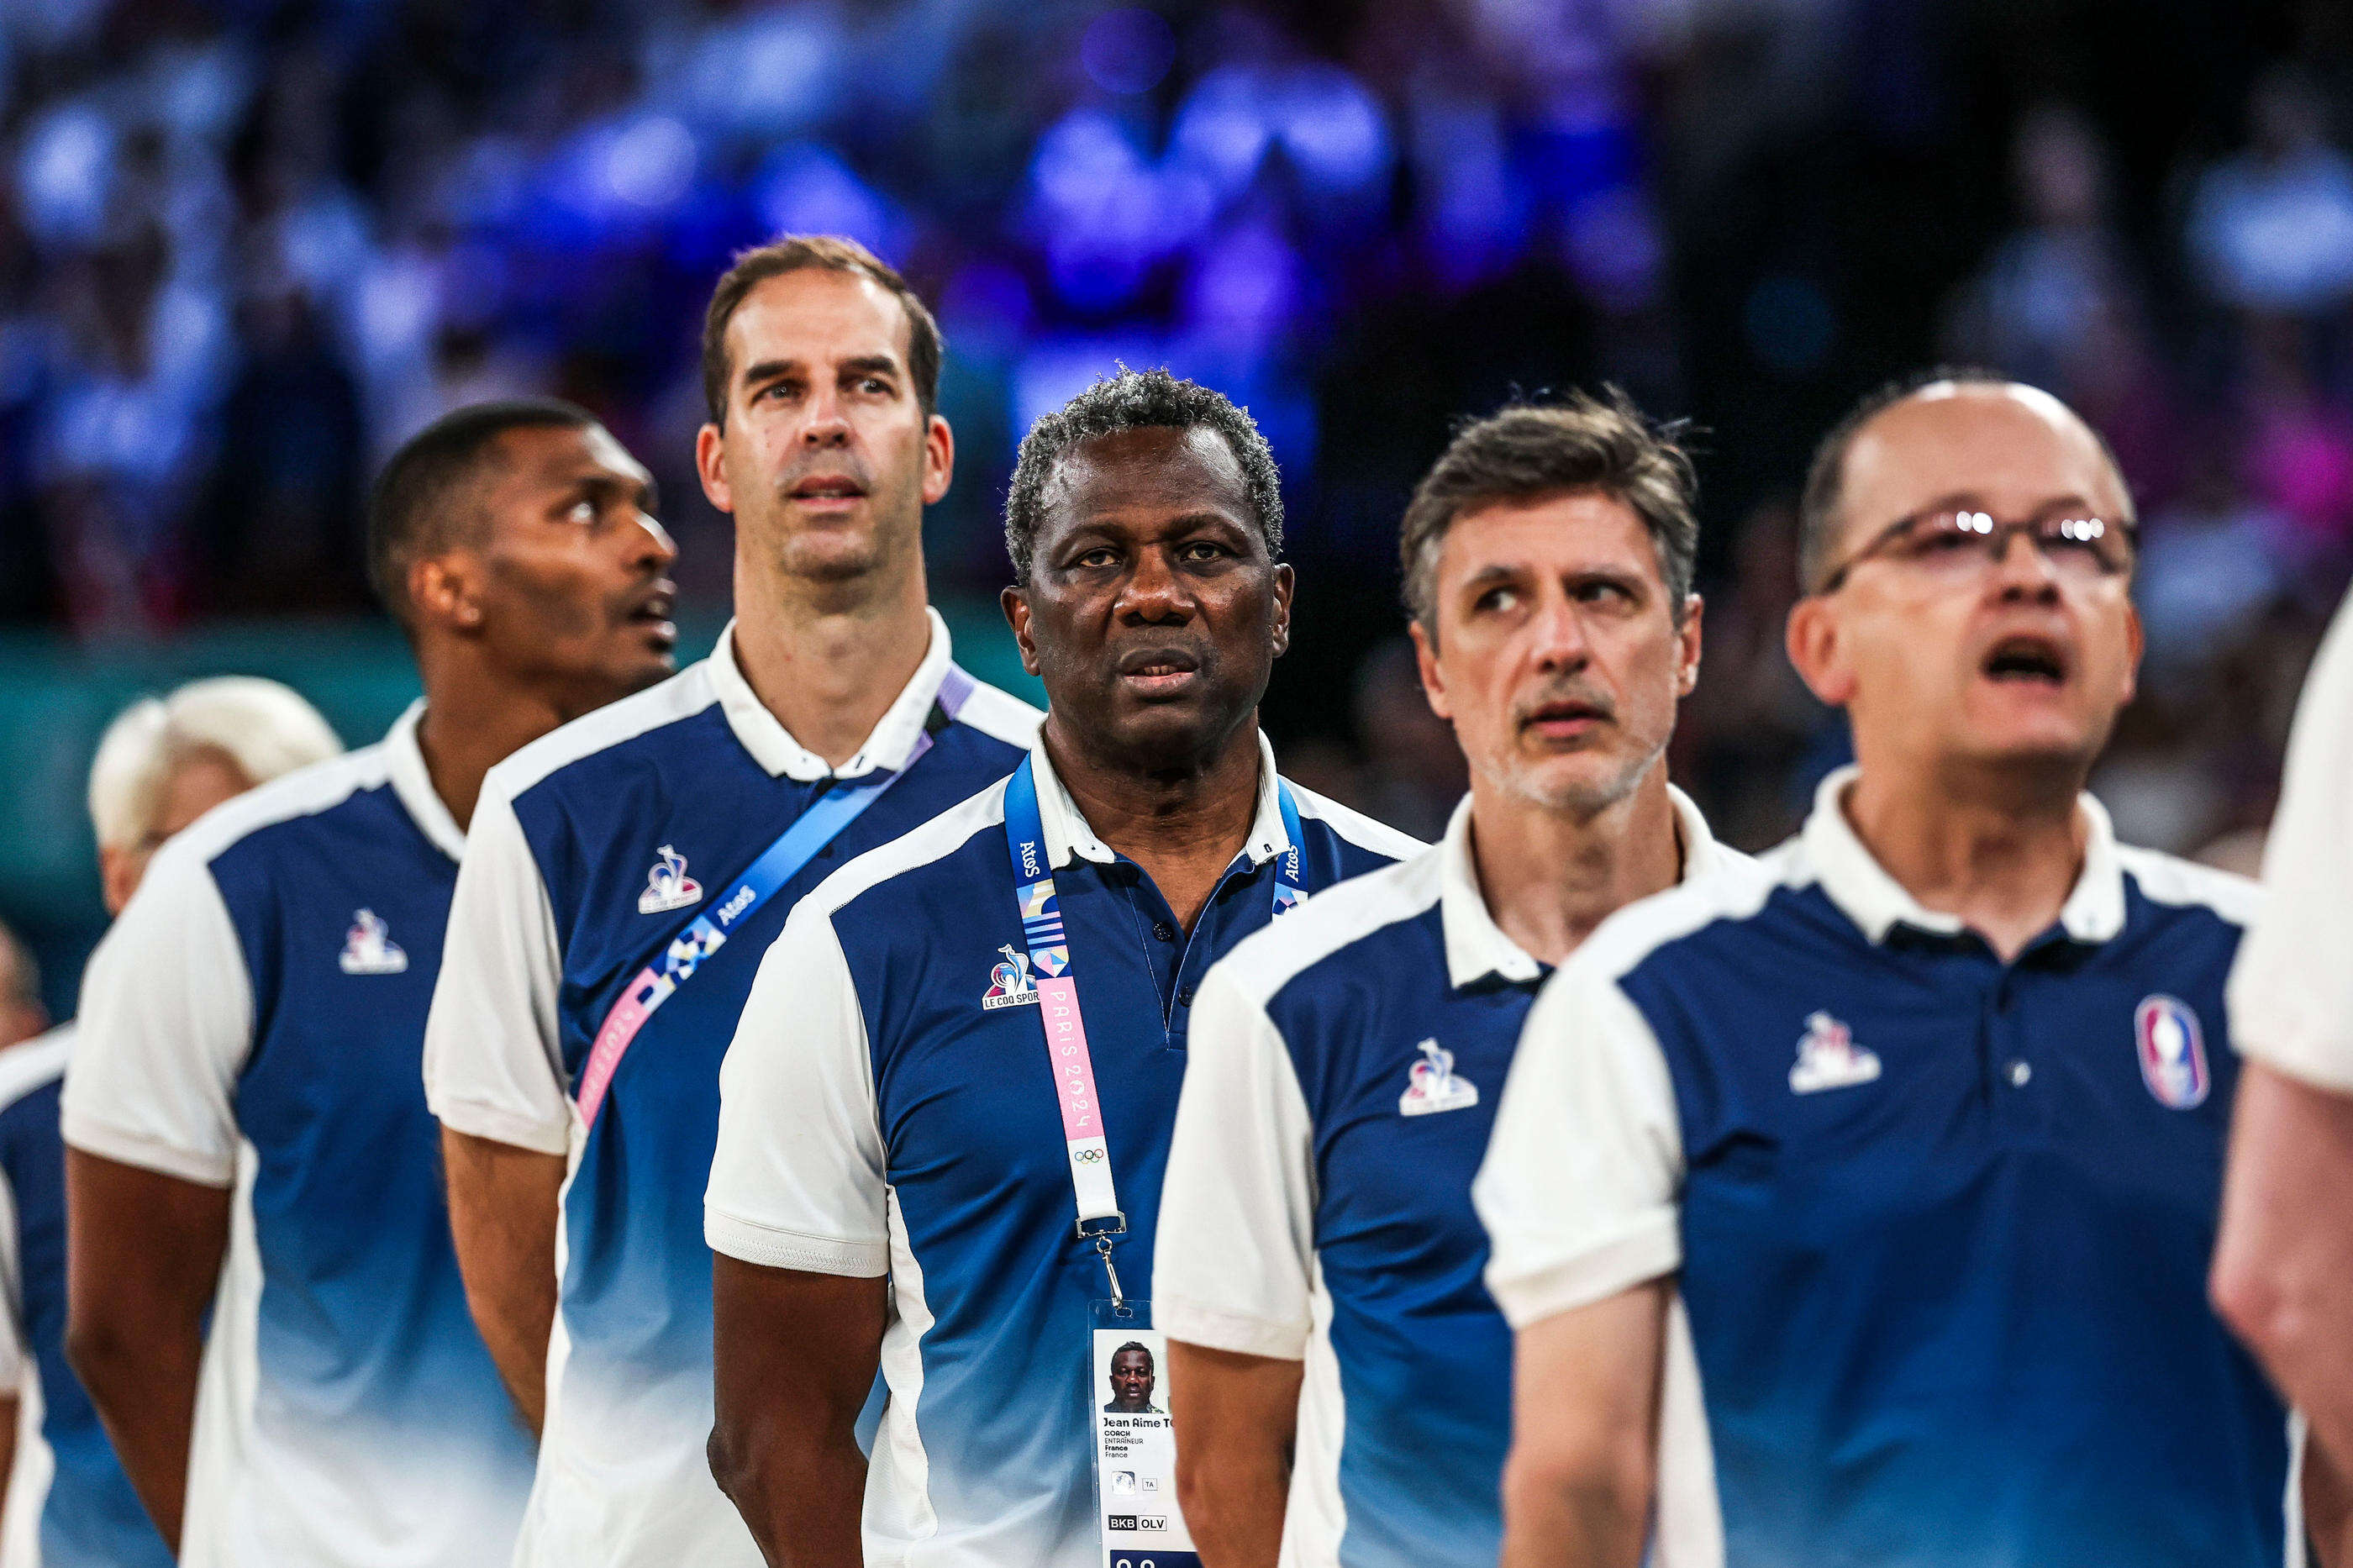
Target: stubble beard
[(1578, 795)]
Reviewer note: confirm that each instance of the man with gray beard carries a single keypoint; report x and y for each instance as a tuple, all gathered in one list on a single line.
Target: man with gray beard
[(1348, 1061)]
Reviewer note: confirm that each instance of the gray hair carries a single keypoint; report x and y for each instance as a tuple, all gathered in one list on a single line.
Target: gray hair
[(1526, 451), (1136, 400), (263, 728)]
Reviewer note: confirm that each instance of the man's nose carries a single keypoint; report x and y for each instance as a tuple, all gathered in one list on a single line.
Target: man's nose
[(2022, 568), (1155, 591), (827, 421), (1557, 634), (653, 548)]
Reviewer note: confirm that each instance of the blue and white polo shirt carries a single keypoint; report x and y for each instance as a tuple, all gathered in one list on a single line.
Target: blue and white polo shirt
[(1346, 1063), (254, 1021), (68, 1503), (589, 851), (1940, 1223), (887, 1112)]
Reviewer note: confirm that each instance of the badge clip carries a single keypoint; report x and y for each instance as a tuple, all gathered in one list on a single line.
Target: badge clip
[(1100, 1230)]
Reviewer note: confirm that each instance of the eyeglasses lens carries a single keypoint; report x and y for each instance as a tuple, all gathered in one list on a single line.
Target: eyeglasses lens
[(2076, 546)]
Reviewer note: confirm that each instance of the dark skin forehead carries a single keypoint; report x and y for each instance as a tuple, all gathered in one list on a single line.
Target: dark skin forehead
[(537, 466), (1149, 477)]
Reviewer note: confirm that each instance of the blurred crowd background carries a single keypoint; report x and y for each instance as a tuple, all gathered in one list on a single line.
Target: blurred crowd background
[(248, 246)]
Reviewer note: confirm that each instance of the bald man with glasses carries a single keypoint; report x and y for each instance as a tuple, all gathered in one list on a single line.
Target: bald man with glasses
[(1855, 1208)]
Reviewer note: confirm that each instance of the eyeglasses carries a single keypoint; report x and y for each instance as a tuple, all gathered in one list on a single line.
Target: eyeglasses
[(1958, 541)]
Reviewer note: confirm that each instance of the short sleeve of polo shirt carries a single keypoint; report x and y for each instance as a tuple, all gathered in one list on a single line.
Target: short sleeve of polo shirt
[(798, 1180), (2292, 990), (166, 1026), (1580, 1187), (1233, 1256), (493, 1064)]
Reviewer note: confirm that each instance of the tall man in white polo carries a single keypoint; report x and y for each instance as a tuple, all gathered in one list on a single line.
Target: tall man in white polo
[(1921, 1122), (624, 877), (2284, 1267), (1341, 1380), (253, 1183), (947, 1109)]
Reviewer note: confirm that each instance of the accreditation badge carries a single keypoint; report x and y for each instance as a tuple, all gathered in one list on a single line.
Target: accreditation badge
[(1135, 1442)]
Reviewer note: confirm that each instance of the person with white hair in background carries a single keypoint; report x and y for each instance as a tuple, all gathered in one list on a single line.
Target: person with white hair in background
[(161, 763), (166, 761)]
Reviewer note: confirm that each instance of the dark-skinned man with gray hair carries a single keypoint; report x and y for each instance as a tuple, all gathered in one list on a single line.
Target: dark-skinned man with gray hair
[(945, 1114)]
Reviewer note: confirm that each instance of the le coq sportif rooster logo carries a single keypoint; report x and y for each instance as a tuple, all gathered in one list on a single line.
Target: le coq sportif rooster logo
[(667, 887)]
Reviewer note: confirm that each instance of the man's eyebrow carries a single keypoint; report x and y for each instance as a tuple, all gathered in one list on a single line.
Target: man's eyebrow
[(870, 364), (1495, 572), (1107, 517), (602, 483), (766, 370)]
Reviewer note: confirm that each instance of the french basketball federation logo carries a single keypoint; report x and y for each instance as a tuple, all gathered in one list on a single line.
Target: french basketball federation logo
[(667, 887), (1009, 985), (1828, 1058), (368, 947), (2172, 1052), (1431, 1086)]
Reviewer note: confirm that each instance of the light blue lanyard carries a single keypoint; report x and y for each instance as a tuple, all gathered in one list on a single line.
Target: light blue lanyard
[(1058, 1013)]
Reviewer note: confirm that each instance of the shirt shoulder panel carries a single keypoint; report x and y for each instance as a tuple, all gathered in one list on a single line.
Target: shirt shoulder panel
[(909, 852), (305, 792), (999, 715), (1329, 921), (1355, 826), (683, 696), (2168, 879), (36, 1062), (1738, 891)]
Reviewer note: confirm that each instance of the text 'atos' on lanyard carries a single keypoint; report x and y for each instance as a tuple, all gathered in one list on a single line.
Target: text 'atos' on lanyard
[(842, 803), (1099, 1218)]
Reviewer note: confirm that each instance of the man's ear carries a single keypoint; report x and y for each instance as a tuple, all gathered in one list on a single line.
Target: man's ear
[(1687, 645), (1286, 582), (1016, 604), (1816, 645), (118, 870), (1433, 680), (710, 467), (939, 459), (446, 591), (2138, 640)]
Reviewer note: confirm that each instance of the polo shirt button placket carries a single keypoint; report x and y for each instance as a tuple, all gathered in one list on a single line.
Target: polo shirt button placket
[(2016, 1118)]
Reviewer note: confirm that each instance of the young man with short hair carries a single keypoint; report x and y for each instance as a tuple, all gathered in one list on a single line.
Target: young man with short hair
[(1919, 1122), (946, 1111), (627, 873), (1341, 1379), (247, 1136)]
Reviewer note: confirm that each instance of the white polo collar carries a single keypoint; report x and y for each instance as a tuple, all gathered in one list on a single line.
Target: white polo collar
[(412, 785), (1876, 903), (1068, 835), (772, 745), (1476, 946)]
